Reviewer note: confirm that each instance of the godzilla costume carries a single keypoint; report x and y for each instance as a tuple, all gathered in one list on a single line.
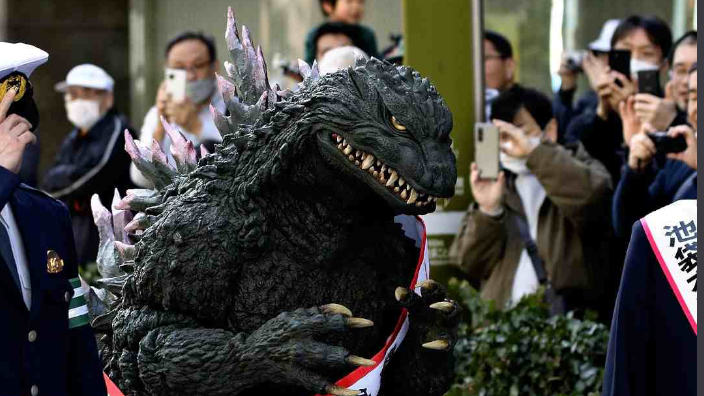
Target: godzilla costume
[(248, 262)]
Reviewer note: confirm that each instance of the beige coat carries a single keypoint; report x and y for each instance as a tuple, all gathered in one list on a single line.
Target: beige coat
[(573, 229)]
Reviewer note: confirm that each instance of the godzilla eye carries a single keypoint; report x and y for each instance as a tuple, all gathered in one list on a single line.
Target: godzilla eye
[(397, 124)]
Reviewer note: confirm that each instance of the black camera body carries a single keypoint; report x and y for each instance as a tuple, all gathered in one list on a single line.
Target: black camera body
[(668, 144)]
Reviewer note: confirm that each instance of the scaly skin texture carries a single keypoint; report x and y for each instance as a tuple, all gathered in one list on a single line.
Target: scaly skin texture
[(229, 286)]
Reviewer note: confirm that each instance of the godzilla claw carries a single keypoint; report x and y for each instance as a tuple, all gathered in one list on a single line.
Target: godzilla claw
[(438, 345), (445, 306), (359, 361), (358, 323), (332, 309), (338, 390), (400, 293)]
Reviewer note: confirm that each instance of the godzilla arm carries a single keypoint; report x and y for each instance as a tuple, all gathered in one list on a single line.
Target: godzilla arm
[(194, 361), (171, 359)]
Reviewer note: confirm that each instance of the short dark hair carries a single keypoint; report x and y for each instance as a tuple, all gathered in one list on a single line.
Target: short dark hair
[(689, 38), (655, 28), (500, 43), (206, 39), (354, 32), (508, 103), (333, 3)]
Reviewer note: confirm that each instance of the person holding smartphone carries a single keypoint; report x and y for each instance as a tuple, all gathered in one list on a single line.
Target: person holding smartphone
[(652, 177), (664, 111), (186, 104), (648, 41), (551, 197)]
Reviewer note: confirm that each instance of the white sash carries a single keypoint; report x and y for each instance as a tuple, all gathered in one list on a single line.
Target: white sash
[(672, 233), (368, 379)]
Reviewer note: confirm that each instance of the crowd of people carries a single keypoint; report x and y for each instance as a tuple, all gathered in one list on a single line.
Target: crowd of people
[(577, 176)]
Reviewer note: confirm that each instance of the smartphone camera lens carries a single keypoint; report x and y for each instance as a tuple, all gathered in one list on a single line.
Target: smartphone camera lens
[(480, 135)]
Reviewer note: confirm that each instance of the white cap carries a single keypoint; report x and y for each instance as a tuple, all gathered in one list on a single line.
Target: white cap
[(603, 43), (340, 58), (20, 57), (86, 75)]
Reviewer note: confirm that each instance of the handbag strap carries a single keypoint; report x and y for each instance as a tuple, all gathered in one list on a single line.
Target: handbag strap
[(531, 249)]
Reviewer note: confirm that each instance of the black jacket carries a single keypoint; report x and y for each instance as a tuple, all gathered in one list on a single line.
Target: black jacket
[(565, 111), (639, 193), (96, 163)]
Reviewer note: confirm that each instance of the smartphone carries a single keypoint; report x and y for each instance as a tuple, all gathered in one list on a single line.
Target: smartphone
[(620, 60), (175, 83), (668, 144), (486, 150), (649, 82)]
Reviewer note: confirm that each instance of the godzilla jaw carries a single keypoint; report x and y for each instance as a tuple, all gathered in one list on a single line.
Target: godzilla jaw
[(385, 177)]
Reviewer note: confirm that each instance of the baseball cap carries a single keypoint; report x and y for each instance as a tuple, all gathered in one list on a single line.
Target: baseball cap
[(603, 42), (87, 75), (20, 57)]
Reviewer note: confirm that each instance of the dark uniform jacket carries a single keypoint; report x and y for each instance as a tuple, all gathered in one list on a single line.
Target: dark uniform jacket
[(54, 360), (652, 348), (570, 236), (96, 163), (639, 193)]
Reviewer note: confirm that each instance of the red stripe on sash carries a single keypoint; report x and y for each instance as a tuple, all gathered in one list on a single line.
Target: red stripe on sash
[(112, 388), (668, 275)]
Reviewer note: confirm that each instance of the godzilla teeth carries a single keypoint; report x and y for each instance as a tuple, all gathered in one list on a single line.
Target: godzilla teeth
[(385, 175), (368, 162), (412, 198)]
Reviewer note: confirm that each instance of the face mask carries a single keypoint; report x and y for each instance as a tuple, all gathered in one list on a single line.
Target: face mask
[(640, 65), (199, 91), (518, 165), (83, 113)]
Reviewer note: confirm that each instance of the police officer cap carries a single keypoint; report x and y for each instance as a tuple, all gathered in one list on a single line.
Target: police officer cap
[(20, 57)]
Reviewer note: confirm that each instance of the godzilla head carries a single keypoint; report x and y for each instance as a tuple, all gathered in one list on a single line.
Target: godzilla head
[(384, 127), (389, 129)]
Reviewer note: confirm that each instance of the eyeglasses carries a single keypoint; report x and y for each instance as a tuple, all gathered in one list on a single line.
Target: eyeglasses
[(195, 68)]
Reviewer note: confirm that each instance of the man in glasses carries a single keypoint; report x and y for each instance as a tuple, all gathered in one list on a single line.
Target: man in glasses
[(194, 54)]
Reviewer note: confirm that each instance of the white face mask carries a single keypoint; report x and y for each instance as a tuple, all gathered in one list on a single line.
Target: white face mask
[(518, 165), (83, 113), (199, 91), (641, 65)]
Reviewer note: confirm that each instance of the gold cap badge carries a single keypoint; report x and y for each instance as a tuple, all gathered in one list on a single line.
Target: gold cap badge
[(54, 263)]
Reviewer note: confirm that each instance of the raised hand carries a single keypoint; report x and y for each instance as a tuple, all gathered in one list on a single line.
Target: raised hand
[(689, 155), (15, 135), (487, 193), (642, 150), (658, 112)]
